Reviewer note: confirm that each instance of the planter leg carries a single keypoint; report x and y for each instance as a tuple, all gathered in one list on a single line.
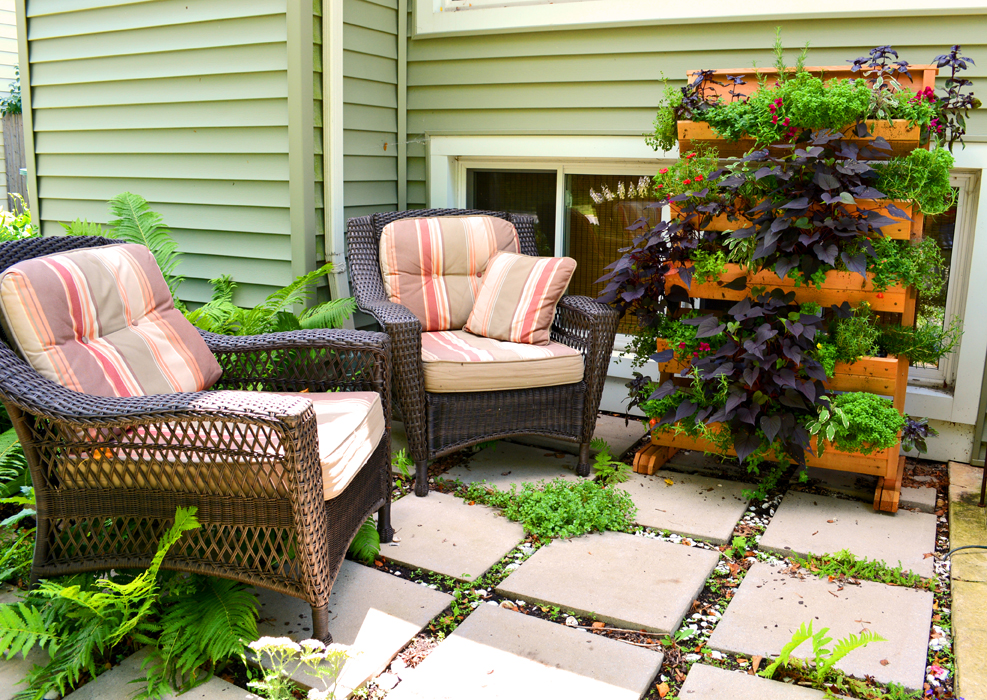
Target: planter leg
[(421, 478), (320, 624)]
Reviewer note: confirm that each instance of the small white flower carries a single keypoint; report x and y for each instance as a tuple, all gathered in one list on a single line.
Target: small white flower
[(315, 694), (598, 198), (620, 190), (275, 644), (312, 645)]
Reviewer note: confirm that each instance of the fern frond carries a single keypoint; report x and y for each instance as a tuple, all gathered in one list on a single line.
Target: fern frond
[(82, 227), (222, 289), (803, 633), (136, 223), (844, 647), (599, 444), (366, 545), (298, 292), (22, 627), (330, 314)]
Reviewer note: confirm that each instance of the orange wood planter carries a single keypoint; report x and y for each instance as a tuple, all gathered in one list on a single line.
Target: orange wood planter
[(902, 139), (902, 229)]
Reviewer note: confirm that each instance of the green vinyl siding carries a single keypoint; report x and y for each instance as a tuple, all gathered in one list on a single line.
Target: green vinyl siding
[(608, 81), (370, 117), (317, 107), (183, 103)]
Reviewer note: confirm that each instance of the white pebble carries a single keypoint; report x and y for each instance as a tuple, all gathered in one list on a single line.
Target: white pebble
[(571, 622)]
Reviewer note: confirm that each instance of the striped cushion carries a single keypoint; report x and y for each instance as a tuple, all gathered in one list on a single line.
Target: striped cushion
[(518, 298), (434, 266), (102, 321), (350, 425), (457, 361)]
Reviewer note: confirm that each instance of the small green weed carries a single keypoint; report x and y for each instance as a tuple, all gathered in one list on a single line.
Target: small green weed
[(823, 658), (845, 564), (559, 508), (738, 547), (609, 471)]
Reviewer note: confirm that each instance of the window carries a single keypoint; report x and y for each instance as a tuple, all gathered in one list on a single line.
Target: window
[(953, 232), (518, 192)]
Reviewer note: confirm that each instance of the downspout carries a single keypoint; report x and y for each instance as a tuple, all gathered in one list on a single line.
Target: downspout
[(332, 120), (402, 105)]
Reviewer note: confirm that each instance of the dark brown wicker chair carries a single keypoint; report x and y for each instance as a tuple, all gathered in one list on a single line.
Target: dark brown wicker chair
[(264, 518), (438, 424)]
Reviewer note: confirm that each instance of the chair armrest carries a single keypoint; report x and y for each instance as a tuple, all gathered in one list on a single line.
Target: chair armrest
[(313, 360)]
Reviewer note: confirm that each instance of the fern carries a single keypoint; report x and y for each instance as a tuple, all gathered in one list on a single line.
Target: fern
[(80, 620), (844, 647), (225, 615), (800, 636), (609, 471), (366, 544), (13, 464), (82, 227), (824, 659), (136, 223)]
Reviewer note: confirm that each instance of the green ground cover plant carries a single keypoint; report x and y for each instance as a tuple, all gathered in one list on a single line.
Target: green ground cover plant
[(845, 564)]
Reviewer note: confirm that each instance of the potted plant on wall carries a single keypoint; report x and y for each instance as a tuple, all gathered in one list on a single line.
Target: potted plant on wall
[(807, 250)]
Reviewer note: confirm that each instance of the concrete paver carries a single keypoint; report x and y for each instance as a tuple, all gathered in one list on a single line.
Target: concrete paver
[(373, 614), (968, 526), (619, 436), (771, 605), (695, 506), (623, 579), (808, 523), (504, 655), (858, 486), (712, 683), (921, 499), (508, 463), (441, 533), (12, 671), (115, 685)]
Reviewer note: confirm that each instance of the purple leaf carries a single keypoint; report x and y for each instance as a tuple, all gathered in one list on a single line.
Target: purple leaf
[(745, 444), (770, 425)]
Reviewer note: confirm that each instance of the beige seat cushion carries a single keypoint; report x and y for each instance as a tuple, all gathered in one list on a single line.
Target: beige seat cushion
[(457, 361), (349, 424), (435, 266)]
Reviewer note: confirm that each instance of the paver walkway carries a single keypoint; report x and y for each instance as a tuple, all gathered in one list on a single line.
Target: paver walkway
[(634, 582)]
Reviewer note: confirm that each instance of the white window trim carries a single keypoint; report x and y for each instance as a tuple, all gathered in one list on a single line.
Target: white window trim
[(448, 157), (464, 17)]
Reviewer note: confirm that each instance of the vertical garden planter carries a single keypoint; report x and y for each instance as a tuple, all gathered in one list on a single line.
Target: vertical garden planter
[(885, 376)]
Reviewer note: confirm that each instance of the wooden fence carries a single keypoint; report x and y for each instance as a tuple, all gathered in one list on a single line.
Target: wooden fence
[(16, 161)]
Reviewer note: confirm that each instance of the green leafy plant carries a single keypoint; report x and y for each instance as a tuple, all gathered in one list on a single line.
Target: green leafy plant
[(559, 508), (921, 177), (16, 224), (79, 622), (738, 547), (867, 423), (204, 622), (221, 315), (923, 343), (856, 336), (688, 174), (609, 471), (831, 418), (11, 104), (708, 266), (277, 654), (823, 659), (845, 564), (915, 433), (918, 265), (366, 543)]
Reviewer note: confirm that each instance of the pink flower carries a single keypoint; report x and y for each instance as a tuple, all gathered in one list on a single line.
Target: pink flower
[(704, 347), (681, 346), (695, 354), (774, 119), (663, 171), (787, 121)]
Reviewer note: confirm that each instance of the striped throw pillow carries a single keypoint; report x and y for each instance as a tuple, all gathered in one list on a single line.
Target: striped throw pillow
[(102, 321), (434, 266), (518, 298)]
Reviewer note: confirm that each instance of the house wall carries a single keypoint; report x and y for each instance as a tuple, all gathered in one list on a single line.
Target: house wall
[(370, 106), (188, 105)]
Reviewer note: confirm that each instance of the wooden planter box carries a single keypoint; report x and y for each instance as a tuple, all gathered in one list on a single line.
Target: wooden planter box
[(903, 229), (839, 287), (902, 139)]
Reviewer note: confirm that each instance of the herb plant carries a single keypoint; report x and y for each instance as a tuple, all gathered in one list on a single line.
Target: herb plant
[(921, 177), (954, 107), (871, 423), (915, 433), (856, 336)]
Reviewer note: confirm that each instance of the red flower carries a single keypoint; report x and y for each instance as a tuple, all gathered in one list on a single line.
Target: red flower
[(687, 182), (880, 295), (659, 186), (699, 178), (681, 346), (663, 171)]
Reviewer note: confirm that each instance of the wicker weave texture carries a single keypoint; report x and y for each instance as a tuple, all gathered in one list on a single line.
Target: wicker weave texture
[(264, 519), (440, 423)]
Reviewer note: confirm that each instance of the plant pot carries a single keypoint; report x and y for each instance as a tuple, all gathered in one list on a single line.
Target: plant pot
[(875, 375), (903, 229), (902, 139)]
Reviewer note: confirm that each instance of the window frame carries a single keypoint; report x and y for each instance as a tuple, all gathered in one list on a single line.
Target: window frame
[(959, 279)]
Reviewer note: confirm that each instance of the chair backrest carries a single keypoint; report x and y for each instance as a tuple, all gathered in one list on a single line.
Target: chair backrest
[(363, 245)]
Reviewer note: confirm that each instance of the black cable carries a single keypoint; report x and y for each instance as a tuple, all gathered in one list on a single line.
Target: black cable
[(966, 546)]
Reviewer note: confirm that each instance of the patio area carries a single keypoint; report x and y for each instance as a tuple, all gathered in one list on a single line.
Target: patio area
[(679, 608)]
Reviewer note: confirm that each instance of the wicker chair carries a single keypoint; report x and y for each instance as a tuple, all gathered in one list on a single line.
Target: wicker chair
[(264, 519), (440, 423)]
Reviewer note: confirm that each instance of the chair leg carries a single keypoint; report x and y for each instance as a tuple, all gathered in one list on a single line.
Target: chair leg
[(582, 469), (421, 478), (320, 624), (384, 529)]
